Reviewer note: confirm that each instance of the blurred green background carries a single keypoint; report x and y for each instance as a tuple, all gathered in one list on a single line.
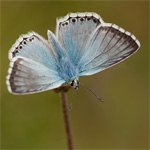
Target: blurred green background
[(36, 122)]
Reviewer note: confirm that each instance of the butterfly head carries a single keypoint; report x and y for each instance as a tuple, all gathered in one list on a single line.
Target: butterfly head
[(74, 84)]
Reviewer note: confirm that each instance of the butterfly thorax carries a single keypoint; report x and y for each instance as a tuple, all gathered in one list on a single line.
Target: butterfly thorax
[(69, 72)]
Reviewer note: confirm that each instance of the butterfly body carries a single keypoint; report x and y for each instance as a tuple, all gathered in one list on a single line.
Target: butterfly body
[(83, 45), (67, 70)]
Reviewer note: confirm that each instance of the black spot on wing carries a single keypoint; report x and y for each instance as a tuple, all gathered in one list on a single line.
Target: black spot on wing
[(22, 43), (82, 19)]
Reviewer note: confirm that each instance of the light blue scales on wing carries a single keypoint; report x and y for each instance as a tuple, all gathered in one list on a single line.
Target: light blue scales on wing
[(35, 47), (83, 45), (74, 30)]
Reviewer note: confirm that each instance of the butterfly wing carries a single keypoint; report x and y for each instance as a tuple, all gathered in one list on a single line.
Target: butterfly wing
[(27, 76), (35, 47), (32, 66), (73, 31), (108, 45)]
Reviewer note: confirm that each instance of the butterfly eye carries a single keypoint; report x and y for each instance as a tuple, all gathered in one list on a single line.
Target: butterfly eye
[(72, 83)]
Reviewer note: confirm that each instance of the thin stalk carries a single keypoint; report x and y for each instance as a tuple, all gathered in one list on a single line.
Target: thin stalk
[(66, 120)]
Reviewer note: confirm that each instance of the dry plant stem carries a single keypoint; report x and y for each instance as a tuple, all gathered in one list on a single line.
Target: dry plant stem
[(66, 119)]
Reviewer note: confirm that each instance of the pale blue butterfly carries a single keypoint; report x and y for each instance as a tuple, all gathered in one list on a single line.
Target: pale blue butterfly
[(83, 45)]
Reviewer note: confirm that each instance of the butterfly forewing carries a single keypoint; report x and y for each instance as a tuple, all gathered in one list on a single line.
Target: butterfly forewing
[(108, 45), (73, 32), (35, 47)]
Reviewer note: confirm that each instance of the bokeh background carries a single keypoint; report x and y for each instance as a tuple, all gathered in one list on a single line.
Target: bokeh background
[(36, 122)]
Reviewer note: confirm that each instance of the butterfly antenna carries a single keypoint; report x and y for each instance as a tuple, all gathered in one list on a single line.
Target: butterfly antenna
[(92, 92), (71, 100)]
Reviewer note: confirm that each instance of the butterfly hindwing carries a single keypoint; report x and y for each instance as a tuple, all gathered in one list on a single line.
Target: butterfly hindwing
[(108, 45), (27, 76), (73, 32)]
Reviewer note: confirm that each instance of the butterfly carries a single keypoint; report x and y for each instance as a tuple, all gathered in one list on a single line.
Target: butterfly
[(82, 45)]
